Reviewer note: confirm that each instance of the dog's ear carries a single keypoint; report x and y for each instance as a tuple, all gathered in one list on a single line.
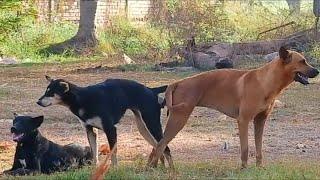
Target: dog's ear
[(37, 121), (15, 114), (48, 78), (65, 86), (284, 54)]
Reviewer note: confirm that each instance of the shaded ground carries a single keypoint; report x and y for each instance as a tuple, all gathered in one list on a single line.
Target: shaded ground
[(202, 139)]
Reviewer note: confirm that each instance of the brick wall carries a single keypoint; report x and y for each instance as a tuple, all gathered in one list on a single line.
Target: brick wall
[(69, 10)]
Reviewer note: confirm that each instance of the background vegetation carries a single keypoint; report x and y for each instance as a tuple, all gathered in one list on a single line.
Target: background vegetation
[(21, 36)]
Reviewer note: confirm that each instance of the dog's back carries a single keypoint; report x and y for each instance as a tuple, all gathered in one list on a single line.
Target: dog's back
[(62, 158)]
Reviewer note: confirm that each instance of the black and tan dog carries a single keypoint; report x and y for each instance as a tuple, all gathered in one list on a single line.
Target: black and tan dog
[(102, 106), (246, 95), (36, 154)]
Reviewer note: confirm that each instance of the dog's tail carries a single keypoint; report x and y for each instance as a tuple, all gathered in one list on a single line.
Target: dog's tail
[(103, 167), (168, 95), (158, 90)]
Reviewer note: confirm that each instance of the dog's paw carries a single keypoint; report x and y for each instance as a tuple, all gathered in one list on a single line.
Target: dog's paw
[(153, 163)]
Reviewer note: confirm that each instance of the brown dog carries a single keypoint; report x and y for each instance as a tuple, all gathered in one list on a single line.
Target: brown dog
[(245, 95)]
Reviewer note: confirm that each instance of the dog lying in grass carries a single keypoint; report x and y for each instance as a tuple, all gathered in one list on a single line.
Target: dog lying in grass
[(36, 154)]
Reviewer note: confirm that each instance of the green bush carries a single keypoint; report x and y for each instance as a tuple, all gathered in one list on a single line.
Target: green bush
[(199, 18), (142, 41)]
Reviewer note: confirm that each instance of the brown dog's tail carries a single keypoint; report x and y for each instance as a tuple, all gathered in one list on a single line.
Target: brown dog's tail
[(103, 167), (168, 95)]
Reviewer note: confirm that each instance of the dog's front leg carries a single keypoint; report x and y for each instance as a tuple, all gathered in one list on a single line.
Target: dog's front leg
[(37, 164), (18, 172), (111, 133), (92, 138), (243, 134)]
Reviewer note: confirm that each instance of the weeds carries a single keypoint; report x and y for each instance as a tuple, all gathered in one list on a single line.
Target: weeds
[(212, 170), (144, 41)]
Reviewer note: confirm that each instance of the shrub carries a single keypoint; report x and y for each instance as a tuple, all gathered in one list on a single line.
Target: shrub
[(144, 41), (202, 18)]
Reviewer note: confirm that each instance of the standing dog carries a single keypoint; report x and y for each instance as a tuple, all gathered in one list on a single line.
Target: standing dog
[(102, 106), (36, 154), (245, 95)]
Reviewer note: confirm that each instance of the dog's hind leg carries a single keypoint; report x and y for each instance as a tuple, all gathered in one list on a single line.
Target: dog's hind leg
[(176, 121), (143, 129), (146, 134), (92, 138), (243, 120), (259, 122), (155, 129), (111, 133)]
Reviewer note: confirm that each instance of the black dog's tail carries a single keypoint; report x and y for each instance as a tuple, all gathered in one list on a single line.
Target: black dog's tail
[(158, 90)]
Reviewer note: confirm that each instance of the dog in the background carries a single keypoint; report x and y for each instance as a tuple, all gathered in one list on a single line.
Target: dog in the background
[(102, 106), (36, 154)]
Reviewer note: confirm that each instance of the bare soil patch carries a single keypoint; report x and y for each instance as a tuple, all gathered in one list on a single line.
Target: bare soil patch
[(203, 139)]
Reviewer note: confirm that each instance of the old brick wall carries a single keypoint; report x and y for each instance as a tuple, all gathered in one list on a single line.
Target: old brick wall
[(69, 10)]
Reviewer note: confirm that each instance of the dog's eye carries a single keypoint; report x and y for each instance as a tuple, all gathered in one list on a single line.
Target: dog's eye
[(303, 61), (49, 93)]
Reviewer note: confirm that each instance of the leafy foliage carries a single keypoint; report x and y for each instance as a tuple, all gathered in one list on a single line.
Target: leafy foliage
[(144, 41), (199, 18), (14, 14)]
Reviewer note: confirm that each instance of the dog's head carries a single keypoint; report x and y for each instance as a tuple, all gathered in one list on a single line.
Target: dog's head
[(23, 127), (296, 66), (54, 92)]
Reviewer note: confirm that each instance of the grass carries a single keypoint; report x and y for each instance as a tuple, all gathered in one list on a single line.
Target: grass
[(249, 21), (3, 93), (206, 170)]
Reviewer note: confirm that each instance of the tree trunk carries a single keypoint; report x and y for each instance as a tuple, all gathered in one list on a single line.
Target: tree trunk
[(86, 31), (294, 6), (85, 39)]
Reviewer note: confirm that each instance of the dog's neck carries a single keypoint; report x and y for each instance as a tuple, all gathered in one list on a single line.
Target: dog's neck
[(32, 139), (274, 75), (71, 99)]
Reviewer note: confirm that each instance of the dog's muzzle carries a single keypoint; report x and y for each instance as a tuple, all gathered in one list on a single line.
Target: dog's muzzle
[(313, 73), (303, 77), (16, 136), (42, 102)]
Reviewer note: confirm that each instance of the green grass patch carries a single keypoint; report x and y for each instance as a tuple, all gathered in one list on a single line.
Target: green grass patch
[(205, 170), (26, 43), (3, 93)]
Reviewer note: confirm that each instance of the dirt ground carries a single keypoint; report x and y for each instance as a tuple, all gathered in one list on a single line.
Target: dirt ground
[(292, 131)]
